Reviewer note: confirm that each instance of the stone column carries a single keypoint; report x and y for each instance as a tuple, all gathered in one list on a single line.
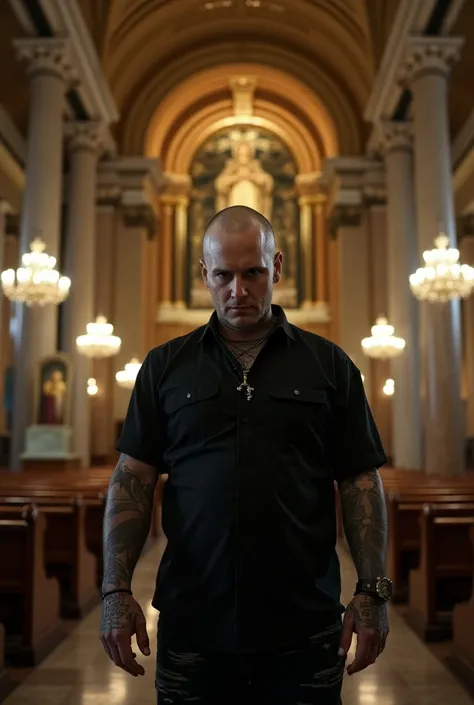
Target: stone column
[(84, 140), (320, 249), (107, 224), (35, 330), (426, 71), (466, 247), (402, 309), (306, 244), (180, 239), (166, 287)]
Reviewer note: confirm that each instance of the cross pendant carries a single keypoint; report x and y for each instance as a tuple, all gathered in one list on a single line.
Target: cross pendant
[(247, 387)]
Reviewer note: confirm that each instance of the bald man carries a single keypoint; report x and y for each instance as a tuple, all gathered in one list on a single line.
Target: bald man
[(252, 420)]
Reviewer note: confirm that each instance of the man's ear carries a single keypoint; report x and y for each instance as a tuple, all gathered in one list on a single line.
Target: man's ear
[(277, 265), (202, 264)]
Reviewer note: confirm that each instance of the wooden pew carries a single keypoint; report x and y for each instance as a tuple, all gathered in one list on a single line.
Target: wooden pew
[(444, 576), (462, 648), (403, 512), (29, 601), (66, 554), (4, 682)]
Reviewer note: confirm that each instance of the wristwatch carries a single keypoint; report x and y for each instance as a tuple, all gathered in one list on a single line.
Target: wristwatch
[(380, 588)]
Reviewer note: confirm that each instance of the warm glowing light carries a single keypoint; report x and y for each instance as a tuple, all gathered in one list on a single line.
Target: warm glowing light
[(389, 387), (126, 378), (442, 278), (92, 387), (383, 344), (99, 341), (37, 282)]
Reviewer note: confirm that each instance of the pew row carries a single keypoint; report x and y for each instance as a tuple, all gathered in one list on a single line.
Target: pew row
[(462, 647), (445, 573), (29, 600)]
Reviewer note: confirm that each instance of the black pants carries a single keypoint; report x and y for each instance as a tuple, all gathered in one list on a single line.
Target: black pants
[(309, 673)]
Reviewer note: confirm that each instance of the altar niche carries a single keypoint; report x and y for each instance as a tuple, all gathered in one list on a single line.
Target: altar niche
[(252, 168)]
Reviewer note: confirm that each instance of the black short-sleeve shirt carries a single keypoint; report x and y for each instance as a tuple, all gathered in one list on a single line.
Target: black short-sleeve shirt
[(249, 507)]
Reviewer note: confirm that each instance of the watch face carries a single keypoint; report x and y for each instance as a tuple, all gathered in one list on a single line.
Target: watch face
[(384, 588)]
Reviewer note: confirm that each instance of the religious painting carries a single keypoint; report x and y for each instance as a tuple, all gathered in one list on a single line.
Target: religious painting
[(250, 167), (52, 391)]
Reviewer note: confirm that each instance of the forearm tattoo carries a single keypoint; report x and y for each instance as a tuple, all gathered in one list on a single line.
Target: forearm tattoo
[(126, 525), (365, 523)]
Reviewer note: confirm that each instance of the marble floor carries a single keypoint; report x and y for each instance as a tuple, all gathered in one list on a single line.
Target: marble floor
[(79, 673)]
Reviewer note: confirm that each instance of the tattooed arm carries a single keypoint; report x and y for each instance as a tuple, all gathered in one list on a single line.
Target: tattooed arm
[(126, 525), (365, 525), (127, 520)]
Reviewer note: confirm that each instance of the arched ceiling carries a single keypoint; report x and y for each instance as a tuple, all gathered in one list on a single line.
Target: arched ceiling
[(326, 44)]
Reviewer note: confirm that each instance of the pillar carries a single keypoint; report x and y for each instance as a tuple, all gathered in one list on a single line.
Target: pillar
[(402, 309), (320, 249), (466, 247), (84, 139), (354, 291), (306, 234), (180, 261), (166, 269), (107, 223), (35, 329), (427, 69)]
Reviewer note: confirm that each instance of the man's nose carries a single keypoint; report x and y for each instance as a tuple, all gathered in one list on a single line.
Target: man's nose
[(239, 290)]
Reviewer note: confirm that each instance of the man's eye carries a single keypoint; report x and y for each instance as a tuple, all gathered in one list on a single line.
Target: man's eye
[(253, 272)]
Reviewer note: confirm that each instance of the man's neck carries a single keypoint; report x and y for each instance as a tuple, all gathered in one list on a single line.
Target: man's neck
[(251, 333)]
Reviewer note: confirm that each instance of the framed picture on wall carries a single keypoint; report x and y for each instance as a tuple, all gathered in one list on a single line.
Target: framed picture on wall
[(53, 391)]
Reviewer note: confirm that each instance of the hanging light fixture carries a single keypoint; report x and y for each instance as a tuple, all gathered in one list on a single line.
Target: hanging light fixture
[(99, 341), (92, 388), (389, 387), (37, 282), (382, 344), (126, 378), (443, 277)]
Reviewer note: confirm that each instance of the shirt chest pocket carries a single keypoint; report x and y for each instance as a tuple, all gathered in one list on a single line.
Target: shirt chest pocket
[(193, 411), (297, 409)]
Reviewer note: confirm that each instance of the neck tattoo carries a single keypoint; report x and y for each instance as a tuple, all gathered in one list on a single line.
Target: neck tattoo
[(246, 352)]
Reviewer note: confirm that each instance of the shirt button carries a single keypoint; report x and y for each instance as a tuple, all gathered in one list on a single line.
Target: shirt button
[(296, 391), (188, 395)]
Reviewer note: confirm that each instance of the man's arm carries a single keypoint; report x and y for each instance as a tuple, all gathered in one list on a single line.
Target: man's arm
[(365, 525), (365, 522), (127, 520)]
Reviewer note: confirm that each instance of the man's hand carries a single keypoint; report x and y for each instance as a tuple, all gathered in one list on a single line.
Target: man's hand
[(369, 620), (122, 617)]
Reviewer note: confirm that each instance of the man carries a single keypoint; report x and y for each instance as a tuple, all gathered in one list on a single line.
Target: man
[(253, 420)]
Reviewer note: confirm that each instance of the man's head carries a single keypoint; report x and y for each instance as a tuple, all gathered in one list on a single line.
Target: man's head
[(240, 266)]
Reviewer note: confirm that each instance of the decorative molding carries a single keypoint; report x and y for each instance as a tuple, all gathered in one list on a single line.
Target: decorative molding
[(176, 187), (394, 136), (89, 135), (411, 17), (428, 55), (47, 55), (66, 19), (311, 186), (344, 217), (373, 184), (243, 91), (140, 216), (179, 315)]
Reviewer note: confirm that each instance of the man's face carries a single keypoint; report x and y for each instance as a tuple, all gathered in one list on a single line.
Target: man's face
[(240, 275)]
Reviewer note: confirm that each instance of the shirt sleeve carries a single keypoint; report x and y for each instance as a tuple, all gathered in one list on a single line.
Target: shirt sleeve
[(142, 432), (355, 443)]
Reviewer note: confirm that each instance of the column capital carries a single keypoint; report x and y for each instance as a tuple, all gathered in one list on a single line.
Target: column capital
[(176, 186), (46, 55), (88, 135), (429, 55), (344, 216), (395, 136), (140, 216)]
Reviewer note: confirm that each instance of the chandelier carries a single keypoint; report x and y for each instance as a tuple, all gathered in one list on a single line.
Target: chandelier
[(92, 388), (126, 378), (37, 282), (99, 341), (382, 344), (389, 387), (442, 278)]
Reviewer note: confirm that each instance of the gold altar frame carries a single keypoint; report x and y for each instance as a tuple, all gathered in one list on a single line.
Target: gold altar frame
[(63, 361)]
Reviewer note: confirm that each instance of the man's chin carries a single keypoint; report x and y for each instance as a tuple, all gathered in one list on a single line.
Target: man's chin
[(243, 316)]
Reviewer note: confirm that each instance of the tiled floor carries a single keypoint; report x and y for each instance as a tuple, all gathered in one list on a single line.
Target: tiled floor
[(79, 673)]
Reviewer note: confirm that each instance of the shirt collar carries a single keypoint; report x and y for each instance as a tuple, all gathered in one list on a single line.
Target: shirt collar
[(278, 312)]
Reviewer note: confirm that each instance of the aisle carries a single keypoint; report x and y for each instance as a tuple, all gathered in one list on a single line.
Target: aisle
[(79, 673)]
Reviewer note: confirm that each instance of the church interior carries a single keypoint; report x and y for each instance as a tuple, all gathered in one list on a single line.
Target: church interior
[(125, 125)]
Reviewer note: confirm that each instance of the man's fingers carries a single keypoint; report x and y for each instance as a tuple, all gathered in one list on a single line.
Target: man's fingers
[(125, 651), (346, 634), (141, 634), (116, 658), (362, 656)]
